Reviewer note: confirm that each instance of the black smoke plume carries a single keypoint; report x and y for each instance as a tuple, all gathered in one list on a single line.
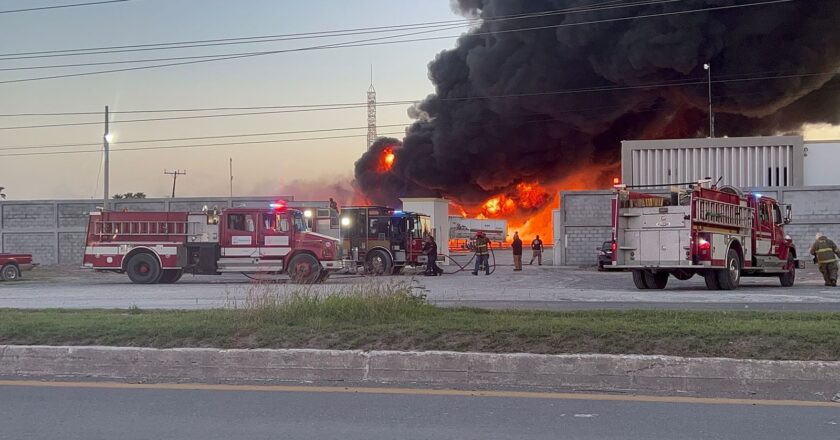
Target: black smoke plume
[(523, 106)]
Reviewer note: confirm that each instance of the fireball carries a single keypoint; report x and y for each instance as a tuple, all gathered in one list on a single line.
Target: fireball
[(386, 160)]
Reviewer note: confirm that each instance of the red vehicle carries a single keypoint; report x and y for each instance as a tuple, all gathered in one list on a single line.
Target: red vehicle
[(159, 247), (721, 234), (11, 265), (383, 241)]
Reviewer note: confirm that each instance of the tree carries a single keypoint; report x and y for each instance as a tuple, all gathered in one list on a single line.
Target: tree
[(128, 195)]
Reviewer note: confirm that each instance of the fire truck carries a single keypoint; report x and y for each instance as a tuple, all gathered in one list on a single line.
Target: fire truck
[(720, 234), (383, 240), (159, 247)]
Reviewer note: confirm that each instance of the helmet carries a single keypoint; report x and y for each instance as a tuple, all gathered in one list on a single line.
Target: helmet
[(479, 234)]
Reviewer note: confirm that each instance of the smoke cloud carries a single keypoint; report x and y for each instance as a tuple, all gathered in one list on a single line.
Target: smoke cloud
[(513, 107)]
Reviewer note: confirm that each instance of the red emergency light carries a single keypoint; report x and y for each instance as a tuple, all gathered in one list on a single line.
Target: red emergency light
[(278, 205)]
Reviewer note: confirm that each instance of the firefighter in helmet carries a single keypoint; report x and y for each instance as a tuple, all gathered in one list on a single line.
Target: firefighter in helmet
[(482, 253), (825, 253)]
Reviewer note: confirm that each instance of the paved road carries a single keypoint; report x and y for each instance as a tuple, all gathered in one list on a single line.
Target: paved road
[(217, 412), (545, 287)]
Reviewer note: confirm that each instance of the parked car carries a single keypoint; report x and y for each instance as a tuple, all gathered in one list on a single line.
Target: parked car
[(605, 254), (11, 265)]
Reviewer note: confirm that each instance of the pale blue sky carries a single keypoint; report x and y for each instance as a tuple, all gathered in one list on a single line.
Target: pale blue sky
[(327, 76)]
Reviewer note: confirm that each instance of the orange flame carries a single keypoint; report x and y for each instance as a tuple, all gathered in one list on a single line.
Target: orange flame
[(386, 160)]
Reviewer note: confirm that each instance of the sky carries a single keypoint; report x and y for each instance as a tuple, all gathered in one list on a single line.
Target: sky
[(307, 77), (311, 77)]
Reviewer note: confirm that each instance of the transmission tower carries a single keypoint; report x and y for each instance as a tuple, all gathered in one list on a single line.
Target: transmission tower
[(371, 108)]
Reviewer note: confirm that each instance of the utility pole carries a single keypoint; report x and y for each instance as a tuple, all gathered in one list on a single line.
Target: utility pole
[(231, 179), (106, 141), (175, 175), (708, 68)]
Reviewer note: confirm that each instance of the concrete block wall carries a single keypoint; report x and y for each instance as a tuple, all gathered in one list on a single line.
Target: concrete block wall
[(53, 231), (583, 221)]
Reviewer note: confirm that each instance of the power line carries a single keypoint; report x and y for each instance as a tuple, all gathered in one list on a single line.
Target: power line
[(43, 8), (378, 41), (318, 34), (674, 83), (175, 147), (275, 133)]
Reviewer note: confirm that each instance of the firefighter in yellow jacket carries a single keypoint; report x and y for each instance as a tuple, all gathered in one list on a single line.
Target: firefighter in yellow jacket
[(825, 253)]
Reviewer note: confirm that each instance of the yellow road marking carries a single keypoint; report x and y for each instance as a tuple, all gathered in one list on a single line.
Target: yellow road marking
[(416, 392)]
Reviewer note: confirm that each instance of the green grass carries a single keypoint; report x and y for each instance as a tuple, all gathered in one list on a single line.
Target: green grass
[(390, 317)]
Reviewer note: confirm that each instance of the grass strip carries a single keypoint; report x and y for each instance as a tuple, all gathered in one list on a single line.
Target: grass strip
[(392, 318)]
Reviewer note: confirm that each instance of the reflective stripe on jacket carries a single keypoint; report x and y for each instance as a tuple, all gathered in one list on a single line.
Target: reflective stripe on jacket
[(825, 250), (481, 246)]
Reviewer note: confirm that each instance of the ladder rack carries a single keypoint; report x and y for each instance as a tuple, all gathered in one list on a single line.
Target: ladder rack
[(723, 214)]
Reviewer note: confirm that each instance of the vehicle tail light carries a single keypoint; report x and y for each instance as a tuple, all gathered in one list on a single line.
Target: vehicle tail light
[(704, 247)]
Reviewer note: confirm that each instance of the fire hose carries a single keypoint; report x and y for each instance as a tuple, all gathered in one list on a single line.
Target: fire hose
[(467, 264)]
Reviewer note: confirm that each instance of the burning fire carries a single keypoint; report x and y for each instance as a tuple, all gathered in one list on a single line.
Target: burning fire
[(386, 160), (528, 208)]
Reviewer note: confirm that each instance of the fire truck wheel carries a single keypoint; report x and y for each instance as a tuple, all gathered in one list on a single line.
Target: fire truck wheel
[(10, 272), (711, 280), (143, 268), (789, 277), (170, 276), (378, 263), (304, 269), (639, 279), (729, 278), (656, 280)]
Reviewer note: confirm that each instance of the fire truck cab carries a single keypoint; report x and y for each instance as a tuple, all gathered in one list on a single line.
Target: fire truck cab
[(383, 240), (159, 247), (721, 234)]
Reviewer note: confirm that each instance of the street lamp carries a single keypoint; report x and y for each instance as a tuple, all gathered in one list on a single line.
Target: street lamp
[(708, 68)]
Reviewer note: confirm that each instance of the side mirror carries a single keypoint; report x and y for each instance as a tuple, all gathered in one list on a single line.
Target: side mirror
[(788, 214)]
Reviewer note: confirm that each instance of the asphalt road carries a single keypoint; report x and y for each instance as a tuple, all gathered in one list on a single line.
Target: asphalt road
[(536, 287), (216, 412)]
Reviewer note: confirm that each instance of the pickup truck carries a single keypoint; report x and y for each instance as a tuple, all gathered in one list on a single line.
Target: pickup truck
[(11, 265)]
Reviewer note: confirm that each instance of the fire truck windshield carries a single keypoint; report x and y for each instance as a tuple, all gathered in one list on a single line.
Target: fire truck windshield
[(299, 222)]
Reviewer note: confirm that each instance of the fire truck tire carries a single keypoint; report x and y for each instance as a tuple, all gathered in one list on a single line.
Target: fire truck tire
[(639, 279), (787, 279), (304, 269), (9, 272), (656, 280), (170, 276), (398, 270), (143, 268), (711, 280), (378, 263), (729, 278)]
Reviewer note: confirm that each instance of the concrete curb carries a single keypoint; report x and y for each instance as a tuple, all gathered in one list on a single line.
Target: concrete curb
[(716, 377)]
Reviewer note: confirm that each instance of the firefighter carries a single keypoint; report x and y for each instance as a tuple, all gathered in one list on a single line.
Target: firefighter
[(516, 246), (536, 249), (825, 253), (430, 249), (482, 253)]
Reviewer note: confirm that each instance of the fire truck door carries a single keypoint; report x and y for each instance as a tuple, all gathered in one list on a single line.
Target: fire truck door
[(239, 239), (274, 235), (764, 230)]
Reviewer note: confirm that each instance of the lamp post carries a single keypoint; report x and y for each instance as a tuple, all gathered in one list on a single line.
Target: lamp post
[(708, 68)]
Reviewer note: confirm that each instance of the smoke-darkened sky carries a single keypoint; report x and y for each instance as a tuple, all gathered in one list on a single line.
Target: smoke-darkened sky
[(514, 105)]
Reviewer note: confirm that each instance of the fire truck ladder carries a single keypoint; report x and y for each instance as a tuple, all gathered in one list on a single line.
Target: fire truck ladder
[(141, 228), (723, 214)]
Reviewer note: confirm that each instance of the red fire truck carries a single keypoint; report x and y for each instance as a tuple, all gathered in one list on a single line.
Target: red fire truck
[(721, 234), (159, 247), (383, 240)]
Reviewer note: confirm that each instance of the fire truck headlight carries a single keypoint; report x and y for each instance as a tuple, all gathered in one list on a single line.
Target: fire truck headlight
[(345, 221), (307, 213)]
